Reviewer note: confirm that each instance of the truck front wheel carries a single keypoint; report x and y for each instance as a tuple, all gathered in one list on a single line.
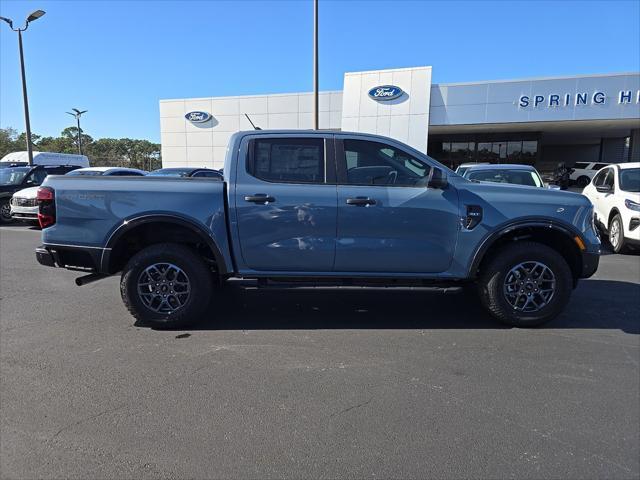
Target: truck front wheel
[(166, 285), (525, 284)]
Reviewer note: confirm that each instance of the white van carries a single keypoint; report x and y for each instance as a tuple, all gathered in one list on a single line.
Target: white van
[(44, 158)]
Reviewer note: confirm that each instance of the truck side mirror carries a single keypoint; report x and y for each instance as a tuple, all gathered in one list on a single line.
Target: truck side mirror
[(437, 179)]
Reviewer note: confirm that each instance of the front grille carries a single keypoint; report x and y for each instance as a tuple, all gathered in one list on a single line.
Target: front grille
[(23, 202)]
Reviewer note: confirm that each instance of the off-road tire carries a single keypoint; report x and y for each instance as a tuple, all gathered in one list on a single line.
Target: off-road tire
[(620, 247), (193, 266), (492, 278)]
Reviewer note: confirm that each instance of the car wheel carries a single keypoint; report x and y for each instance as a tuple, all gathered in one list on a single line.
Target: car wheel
[(616, 234), (583, 181), (166, 285), (5, 212), (525, 284)]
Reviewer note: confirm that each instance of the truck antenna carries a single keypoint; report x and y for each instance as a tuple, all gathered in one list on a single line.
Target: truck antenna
[(252, 124)]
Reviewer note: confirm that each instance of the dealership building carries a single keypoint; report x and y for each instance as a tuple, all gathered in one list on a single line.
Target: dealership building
[(539, 121)]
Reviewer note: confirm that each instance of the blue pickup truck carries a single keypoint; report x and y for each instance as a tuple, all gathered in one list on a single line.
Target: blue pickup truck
[(319, 207)]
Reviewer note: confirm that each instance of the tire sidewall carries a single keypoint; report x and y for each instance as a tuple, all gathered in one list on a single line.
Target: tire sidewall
[(5, 207), (620, 246), (583, 181), (540, 253), (183, 258)]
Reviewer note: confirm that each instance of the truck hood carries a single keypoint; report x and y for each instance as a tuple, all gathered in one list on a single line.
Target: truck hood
[(520, 194), (30, 192)]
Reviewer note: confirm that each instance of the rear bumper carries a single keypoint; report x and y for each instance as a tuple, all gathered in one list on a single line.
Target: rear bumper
[(45, 257), (70, 257)]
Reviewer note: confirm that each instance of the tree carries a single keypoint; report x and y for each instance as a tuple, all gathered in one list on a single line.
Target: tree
[(8, 142), (107, 152), (72, 134)]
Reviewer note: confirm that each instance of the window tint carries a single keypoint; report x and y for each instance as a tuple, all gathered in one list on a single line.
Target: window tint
[(373, 163), (36, 177), (598, 166), (599, 178), (207, 174), (630, 179), (518, 177), (580, 165), (608, 180), (289, 160)]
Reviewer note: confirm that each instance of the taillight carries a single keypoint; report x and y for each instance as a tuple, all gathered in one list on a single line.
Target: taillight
[(46, 199)]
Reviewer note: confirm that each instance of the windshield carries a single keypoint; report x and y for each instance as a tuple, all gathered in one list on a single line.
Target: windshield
[(517, 177), (85, 172), (462, 170), (630, 180), (171, 172), (13, 176)]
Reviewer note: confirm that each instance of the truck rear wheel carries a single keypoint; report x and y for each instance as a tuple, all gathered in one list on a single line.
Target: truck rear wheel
[(525, 284), (166, 285)]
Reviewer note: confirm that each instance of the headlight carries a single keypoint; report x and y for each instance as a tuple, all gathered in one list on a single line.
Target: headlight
[(631, 205)]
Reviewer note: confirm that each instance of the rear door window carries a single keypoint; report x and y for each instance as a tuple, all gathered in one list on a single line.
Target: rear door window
[(288, 160), (598, 166)]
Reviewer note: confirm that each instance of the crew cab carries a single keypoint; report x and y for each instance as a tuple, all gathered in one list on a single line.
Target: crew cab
[(319, 207)]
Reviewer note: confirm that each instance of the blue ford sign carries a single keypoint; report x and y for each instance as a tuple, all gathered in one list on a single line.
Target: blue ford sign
[(197, 117), (385, 92)]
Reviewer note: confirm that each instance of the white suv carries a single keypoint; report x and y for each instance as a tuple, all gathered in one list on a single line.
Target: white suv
[(583, 172), (615, 194)]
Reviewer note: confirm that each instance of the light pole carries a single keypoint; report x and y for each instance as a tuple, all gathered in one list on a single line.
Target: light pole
[(77, 114), (34, 16), (316, 121)]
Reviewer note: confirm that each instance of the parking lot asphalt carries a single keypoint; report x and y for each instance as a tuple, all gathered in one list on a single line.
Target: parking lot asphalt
[(315, 384)]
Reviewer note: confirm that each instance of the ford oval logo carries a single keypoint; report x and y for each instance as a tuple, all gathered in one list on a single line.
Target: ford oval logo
[(385, 92), (197, 117)]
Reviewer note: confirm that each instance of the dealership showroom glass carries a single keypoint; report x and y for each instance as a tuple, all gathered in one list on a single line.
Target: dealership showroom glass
[(537, 121)]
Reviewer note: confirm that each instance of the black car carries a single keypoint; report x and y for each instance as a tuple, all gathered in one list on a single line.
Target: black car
[(16, 177), (187, 172)]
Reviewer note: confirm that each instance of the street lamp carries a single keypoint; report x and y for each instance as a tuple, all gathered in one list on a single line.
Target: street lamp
[(76, 115), (34, 16), (316, 121)]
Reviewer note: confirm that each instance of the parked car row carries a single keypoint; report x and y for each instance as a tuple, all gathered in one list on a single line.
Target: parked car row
[(613, 189), (19, 182)]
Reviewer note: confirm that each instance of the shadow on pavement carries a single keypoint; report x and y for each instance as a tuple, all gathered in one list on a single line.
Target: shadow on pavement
[(594, 304)]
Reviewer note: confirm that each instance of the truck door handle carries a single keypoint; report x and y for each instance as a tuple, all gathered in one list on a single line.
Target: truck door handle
[(361, 201), (259, 198)]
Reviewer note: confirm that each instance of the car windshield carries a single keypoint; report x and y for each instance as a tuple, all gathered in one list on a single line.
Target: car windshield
[(171, 172), (630, 180), (514, 176), (85, 172), (13, 176), (462, 170)]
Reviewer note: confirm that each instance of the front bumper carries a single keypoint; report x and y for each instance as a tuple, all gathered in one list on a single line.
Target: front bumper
[(590, 262), (24, 213)]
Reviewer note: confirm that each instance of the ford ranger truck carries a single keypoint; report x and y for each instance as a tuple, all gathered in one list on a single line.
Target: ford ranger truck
[(319, 207)]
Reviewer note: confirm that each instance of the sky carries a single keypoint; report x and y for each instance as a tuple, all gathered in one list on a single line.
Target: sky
[(117, 59)]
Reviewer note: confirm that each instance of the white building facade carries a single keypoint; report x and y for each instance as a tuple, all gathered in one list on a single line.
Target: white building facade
[(542, 121)]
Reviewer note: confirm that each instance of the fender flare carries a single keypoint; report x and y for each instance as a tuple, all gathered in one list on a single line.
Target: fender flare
[(569, 230), (129, 224)]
